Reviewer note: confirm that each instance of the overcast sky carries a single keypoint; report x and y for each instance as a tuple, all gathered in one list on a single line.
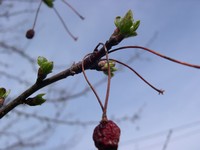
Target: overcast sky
[(170, 27)]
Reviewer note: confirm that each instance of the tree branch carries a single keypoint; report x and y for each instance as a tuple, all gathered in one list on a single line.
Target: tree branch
[(89, 62)]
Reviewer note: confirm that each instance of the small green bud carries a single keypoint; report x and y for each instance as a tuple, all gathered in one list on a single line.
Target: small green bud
[(41, 60), (35, 101), (104, 67), (46, 66)]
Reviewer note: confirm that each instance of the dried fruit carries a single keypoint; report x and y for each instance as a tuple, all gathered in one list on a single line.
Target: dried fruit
[(30, 34), (106, 135)]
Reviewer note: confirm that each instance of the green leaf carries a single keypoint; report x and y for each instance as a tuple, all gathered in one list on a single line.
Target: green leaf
[(126, 25), (127, 22), (49, 3), (136, 25)]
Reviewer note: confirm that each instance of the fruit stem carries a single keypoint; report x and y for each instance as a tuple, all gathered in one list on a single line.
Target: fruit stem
[(104, 116), (158, 90), (94, 91), (156, 53), (36, 16), (74, 10), (64, 25)]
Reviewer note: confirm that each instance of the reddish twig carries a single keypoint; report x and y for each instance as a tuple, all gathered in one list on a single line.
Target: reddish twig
[(159, 91), (104, 116), (92, 88), (156, 53)]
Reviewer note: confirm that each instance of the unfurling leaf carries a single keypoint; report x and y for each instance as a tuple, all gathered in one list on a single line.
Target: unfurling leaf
[(126, 25)]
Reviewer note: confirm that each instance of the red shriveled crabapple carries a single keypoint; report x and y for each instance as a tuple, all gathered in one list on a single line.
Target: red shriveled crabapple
[(106, 135)]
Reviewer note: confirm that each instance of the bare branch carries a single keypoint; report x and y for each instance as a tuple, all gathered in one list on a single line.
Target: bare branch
[(54, 120), (9, 14), (17, 50), (167, 139), (16, 78)]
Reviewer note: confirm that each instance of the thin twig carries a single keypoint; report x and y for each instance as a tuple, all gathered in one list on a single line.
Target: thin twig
[(18, 51), (8, 14), (54, 120), (76, 95), (167, 139), (36, 15), (159, 91), (156, 53)]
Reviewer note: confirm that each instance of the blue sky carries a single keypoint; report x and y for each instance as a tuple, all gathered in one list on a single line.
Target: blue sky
[(174, 27)]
